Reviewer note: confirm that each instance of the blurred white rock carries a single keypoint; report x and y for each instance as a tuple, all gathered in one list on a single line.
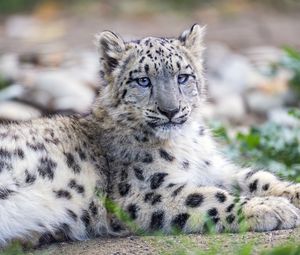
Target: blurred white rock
[(208, 111), (51, 55), (261, 103), (281, 117), (228, 72), (231, 107), (13, 91), (271, 93), (21, 26), (33, 28), (9, 66), (263, 57), (87, 63), (17, 111), (58, 90)]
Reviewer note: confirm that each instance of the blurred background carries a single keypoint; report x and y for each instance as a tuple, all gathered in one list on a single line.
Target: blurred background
[(48, 64)]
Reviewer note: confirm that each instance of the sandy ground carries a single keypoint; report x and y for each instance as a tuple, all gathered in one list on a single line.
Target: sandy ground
[(226, 243)]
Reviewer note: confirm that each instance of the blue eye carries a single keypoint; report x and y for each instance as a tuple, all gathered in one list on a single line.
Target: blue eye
[(144, 82), (182, 78)]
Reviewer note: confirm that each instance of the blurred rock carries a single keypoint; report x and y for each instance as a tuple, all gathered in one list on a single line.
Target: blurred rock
[(264, 57), (32, 28), (9, 66), (87, 63), (17, 111), (229, 72), (13, 91), (281, 117), (231, 107), (261, 103), (58, 90), (236, 81), (21, 26), (49, 55), (208, 111)]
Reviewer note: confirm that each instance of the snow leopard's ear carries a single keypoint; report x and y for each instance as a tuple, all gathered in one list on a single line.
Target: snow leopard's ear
[(192, 39), (111, 48)]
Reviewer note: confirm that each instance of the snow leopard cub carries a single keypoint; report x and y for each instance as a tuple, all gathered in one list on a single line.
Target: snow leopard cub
[(145, 146)]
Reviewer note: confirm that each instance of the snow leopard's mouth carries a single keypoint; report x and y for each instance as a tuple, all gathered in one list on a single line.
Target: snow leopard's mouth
[(166, 125)]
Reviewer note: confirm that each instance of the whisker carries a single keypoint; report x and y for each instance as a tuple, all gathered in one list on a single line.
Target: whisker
[(153, 117), (183, 116), (150, 111)]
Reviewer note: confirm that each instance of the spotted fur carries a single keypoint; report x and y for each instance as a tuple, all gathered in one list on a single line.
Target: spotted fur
[(144, 146)]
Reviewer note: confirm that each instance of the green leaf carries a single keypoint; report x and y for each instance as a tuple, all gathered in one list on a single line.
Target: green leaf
[(13, 249), (295, 113), (292, 53), (283, 250)]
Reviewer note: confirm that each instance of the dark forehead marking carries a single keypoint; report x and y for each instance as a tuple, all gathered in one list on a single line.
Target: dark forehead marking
[(127, 60), (188, 57), (124, 65), (163, 54), (147, 41), (136, 41), (162, 43), (142, 59)]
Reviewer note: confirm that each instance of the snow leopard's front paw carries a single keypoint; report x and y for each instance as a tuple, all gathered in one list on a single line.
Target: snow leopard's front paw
[(271, 213), (292, 193)]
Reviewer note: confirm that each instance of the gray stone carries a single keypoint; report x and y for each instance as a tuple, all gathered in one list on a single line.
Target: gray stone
[(229, 72), (281, 117), (262, 103), (13, 91), (231, 107), (9, 66), (22, 26), (58, 90), (17, 111)]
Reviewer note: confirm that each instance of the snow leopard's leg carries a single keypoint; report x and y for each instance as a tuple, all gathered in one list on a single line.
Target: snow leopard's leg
[(193, 209), (30, 215), (34, 216), (262, 183)]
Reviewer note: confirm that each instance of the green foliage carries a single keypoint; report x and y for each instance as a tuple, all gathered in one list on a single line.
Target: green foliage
[(186, 5), (114, 209), (11, 6), (291, 61), (246, 249), (280, 4), (3, 83), (283, 250), (270, 146), (295, 113), (13, 249)]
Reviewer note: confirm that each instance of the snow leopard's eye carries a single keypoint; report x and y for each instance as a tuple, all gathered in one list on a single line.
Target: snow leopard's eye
[(183, 78), (144, 82)]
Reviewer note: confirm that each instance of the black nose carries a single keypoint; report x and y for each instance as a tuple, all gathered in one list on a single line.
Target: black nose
[(169, 113)]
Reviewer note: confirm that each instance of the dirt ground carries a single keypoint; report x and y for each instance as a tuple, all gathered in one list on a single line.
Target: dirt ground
[(226, 243)]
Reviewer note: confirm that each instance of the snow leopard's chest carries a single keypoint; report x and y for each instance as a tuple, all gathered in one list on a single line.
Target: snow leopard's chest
[(188, 158)]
